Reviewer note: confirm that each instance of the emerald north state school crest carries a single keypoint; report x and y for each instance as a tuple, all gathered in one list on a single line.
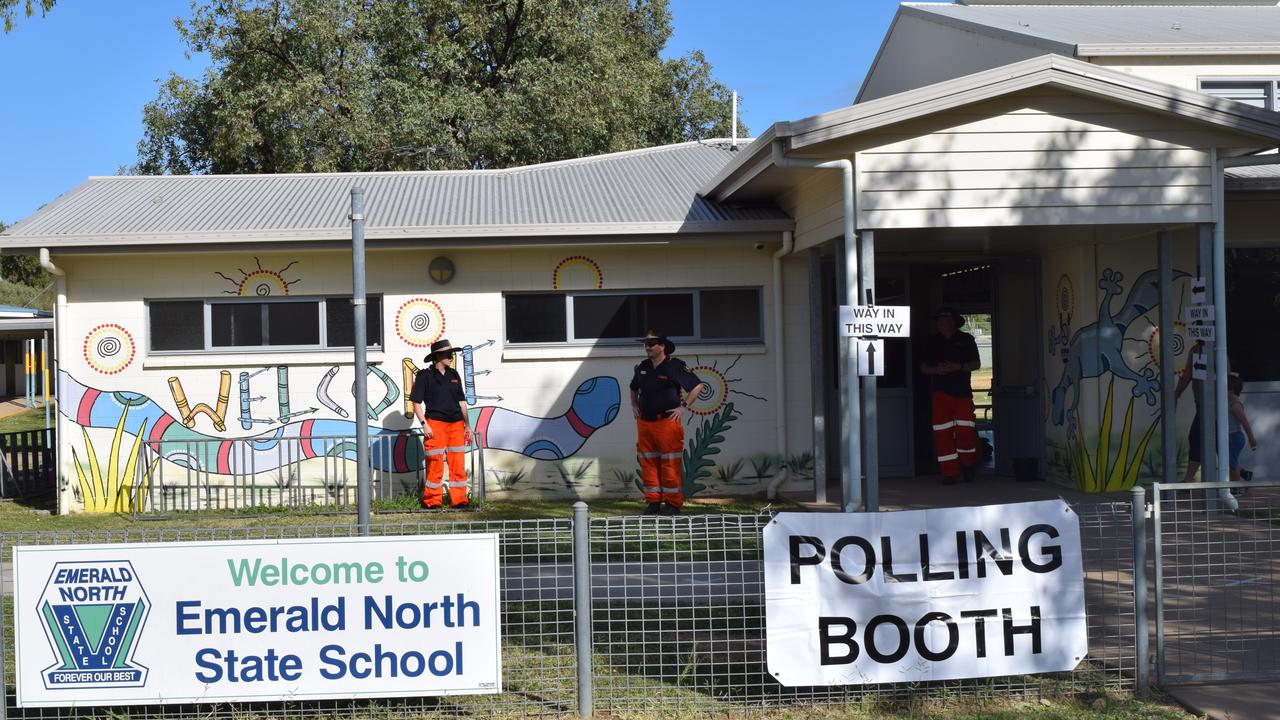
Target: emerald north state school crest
[(93, 613)]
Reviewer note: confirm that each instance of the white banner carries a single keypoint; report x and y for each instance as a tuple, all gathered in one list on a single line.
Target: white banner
[(257, 620), (920, 595)]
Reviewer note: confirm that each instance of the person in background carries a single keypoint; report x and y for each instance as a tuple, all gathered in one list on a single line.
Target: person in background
[(440, 404), (1195, 445), (658, 406), (1238, 427), (950, 357)]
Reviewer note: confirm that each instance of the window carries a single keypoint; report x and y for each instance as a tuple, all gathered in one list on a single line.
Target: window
[(1253, 311), (720, 315), (1260, 92), (286, 322)]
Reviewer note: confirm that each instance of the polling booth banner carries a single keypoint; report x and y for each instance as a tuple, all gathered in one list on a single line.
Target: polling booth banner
[(289, 619), (919, 595)]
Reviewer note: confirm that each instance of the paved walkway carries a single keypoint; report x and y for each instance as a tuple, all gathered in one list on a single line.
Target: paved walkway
[(12, 406), (1239, 701)]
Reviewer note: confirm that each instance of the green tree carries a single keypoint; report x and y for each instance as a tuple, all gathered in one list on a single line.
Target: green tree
[(8, 7), (22, 280), (342, 85)]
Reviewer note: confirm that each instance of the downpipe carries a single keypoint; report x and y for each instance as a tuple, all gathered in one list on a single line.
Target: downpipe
[(779, 368), (59, 337)]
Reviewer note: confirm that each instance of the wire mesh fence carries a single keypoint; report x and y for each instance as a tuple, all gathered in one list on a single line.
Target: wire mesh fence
[(1216, 575), (679, 618), (538, 666)]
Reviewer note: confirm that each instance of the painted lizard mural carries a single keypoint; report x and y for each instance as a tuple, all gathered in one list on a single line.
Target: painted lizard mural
[(1096, 349)]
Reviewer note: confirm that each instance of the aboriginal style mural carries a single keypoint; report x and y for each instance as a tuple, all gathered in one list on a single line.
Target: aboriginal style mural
[(259, 282), (1102, 418), (577, 272)]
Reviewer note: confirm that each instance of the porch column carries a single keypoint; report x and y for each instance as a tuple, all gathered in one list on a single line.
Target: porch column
[(1168, 404), (850, 430), (1205, 390), (1222, 364), (817, 359), (871, 439)]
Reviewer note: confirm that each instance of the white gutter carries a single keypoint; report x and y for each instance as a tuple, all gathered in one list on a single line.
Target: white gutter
[(851, 474), (59, 323), (1220, 296), (779, 366)]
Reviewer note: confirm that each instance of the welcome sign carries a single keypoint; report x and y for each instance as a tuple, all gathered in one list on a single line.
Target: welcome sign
[(257, 620), (863, 598)]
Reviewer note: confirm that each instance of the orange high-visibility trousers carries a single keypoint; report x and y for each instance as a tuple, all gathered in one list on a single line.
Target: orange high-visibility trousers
[(659, 448), (446, 444), (955, 433)]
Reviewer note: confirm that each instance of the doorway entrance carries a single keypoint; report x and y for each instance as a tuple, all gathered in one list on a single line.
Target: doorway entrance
[(999, 298)]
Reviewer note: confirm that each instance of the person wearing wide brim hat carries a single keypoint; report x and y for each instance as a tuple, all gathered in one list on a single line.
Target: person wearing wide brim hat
[(658, 404), (949, 359), (440, 404)]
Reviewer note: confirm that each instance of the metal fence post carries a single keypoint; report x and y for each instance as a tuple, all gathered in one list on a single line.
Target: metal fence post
[(1157, 495), (1138, 513), (582, 605)]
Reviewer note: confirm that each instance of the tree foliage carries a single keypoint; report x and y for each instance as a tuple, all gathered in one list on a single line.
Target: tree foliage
[(29, 7), (22, 280), (348, 85)]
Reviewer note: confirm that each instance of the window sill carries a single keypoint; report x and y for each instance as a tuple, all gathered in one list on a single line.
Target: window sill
[(580, 352), (292, 358)]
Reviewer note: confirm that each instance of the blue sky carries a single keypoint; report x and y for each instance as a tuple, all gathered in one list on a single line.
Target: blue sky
[(72, 84)]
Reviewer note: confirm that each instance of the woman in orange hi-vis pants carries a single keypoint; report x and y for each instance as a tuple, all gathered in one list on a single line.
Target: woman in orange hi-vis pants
[(950, 357), (440, 404), (658, 407)]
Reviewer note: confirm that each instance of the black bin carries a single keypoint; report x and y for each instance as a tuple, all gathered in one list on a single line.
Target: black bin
[(1026, 469)]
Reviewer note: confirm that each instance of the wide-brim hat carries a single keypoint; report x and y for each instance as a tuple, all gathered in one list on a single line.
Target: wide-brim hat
[(669, 346), (947, 310), (441, 347)]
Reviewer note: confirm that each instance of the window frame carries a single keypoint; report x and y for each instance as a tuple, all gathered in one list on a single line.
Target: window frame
[(1272, 82), (572, 340), (207, 318)]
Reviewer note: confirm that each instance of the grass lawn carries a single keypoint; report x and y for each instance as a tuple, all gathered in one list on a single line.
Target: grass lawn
[(32, 419), (1093, 708)]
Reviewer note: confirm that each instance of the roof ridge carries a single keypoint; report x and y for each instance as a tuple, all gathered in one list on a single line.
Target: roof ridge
[(588, 159)]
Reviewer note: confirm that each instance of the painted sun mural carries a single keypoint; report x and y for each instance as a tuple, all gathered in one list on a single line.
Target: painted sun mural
[(260, 281)]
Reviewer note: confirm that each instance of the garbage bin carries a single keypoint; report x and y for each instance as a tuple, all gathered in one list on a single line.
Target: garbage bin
[(1026, 469)]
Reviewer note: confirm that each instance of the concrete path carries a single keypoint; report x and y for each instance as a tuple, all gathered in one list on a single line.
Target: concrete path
[(1239, 701)]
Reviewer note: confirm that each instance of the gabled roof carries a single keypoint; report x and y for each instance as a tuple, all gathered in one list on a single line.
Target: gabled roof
[(1095, 30), (1262, 126), (648, 191)]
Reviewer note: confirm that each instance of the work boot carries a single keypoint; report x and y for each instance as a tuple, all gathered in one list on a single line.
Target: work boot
[(949, 479), (969, 473), (653, 509), (669, 509)]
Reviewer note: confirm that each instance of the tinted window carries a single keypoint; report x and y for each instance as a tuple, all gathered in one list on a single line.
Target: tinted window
[(293, 323), (237, 324), (177, 325), (1253, 311), (630, 316), (536, 317), (339, 321), (730, 314)]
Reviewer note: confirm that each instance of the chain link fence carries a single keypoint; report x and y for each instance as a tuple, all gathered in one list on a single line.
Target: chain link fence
[(1216, 582), (676, 621)]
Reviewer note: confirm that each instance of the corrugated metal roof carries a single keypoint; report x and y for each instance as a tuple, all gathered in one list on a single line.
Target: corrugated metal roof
[(654, 190), (1254, 177), (1100, 30)]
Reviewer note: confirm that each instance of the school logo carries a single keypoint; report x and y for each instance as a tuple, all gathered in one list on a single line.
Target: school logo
[(93, 613)]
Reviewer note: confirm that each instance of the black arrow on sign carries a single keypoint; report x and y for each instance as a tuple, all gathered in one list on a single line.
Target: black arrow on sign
[(871, 358)]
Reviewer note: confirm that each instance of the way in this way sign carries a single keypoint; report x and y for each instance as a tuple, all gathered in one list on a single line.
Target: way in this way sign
[(875, 320), (870, 357)]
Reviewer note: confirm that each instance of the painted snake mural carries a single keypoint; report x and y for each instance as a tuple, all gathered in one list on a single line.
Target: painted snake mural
[(595, 404), (1096, 348)]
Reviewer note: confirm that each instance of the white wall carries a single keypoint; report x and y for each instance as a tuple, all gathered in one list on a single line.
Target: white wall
[(1185, 72), (105, 303)]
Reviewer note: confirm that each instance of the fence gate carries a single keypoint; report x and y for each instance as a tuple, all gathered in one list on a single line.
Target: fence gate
[(1216, 582)]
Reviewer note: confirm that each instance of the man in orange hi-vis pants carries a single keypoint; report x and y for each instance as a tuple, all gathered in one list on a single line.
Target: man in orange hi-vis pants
[(950, 357), (440, 404), (658, 406)]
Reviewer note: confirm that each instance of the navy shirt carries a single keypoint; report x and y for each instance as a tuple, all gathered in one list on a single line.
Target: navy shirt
[(659, 388), (440, 393), (960, 348)]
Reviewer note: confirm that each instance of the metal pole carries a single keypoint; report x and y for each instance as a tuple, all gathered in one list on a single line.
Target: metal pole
[(817, 361), (360, 342), (1222, 367), (1207, 405), (850, 492), (582, 606), (1168, 404), (870, 423), (1156, 496), (1138, 514)]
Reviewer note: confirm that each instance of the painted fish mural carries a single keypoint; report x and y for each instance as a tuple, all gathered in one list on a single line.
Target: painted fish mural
[(595, 404)]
